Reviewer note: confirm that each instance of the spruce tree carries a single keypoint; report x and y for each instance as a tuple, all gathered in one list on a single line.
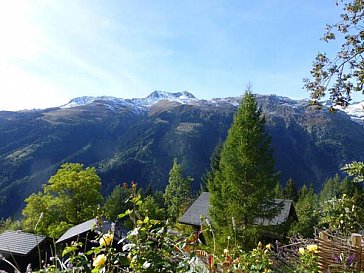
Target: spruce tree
[(177, 193), (278, 191), (214, 168), (290, 190), (246, 178)]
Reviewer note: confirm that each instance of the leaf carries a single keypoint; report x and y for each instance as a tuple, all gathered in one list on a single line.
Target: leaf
[(126, 213)]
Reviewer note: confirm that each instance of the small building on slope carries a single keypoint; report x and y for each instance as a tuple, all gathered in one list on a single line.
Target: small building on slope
[(87, 232), (21, 249), (200, 210)]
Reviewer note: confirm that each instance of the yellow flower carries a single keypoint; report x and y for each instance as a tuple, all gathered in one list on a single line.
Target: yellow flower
[(99, 261), (312, 248), (106, 239), (301, 250), (268, 246)]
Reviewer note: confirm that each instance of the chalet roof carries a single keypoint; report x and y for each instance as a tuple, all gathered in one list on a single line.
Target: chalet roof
[(285, 206), (201, 208), (18, 242), (88, 226)]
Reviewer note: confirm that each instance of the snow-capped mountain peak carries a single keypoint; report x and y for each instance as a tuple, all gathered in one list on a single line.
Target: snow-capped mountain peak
[(85, 100), (354, 110), (168, 95), (156, 96), (181, 97)]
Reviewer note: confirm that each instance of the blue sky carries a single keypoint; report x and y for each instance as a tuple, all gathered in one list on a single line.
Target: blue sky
[(54, 50)]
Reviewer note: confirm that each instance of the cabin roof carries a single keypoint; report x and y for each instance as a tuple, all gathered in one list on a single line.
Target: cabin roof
[(91, 225), (200, 208), (19, 242)]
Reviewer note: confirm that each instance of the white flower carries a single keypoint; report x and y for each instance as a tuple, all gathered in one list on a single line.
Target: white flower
[(127, 247), (146, 265)]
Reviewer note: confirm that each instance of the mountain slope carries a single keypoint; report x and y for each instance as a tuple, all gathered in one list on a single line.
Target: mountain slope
[(137, 139)]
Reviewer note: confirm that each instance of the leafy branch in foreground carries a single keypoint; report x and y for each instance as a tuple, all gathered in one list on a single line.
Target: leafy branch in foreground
[(355, 169), (344, 73)]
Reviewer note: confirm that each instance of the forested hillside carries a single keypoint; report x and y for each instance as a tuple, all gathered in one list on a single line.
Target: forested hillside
[(131, 141)]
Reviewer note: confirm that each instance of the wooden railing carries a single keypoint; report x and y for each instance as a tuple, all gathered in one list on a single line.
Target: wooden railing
[(336, 254)]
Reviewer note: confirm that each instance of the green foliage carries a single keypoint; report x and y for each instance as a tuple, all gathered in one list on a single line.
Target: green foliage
[(151, 208), (342, 214), (341, 201), (243, 186), (150, 245), (355, 169), (308, 260), (9, 224), (70, 197), (208, 177), (278, 191), (290, 190), (178, 192), (347, 67), (330, 189), (258, 260), (306, 209), (117, 201)]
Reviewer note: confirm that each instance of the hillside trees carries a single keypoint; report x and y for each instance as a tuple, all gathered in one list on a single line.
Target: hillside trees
[(70, 197), (214, 168), (116, 203), (306, 209), (244, 184), (177, 193), (343, 73)]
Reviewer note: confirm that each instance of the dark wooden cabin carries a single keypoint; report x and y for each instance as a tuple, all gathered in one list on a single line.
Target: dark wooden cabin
[(200, 210), (21, 249)]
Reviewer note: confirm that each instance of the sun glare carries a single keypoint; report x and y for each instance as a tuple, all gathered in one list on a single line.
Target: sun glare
[(20, 39)]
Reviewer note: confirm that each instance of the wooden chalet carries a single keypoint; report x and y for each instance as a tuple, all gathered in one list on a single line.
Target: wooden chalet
[(22, 248), (200, 210)]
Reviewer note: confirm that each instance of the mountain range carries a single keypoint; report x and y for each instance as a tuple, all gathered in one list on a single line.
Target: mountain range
[(137, 139)]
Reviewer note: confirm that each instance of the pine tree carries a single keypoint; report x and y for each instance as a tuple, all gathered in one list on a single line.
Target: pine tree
[(306, 209), (244, 185), (330, 189), (177, 193), (116, 203), (290, 190), (278, 191), (214, 167)]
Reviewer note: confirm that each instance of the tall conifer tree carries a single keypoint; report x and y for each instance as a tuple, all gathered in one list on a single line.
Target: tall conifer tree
[(177, 193), (214, 168), (246, 178)]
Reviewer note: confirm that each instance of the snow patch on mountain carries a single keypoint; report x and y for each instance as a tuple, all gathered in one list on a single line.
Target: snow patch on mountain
[(181, 97), (355, 111), (86, 100)]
